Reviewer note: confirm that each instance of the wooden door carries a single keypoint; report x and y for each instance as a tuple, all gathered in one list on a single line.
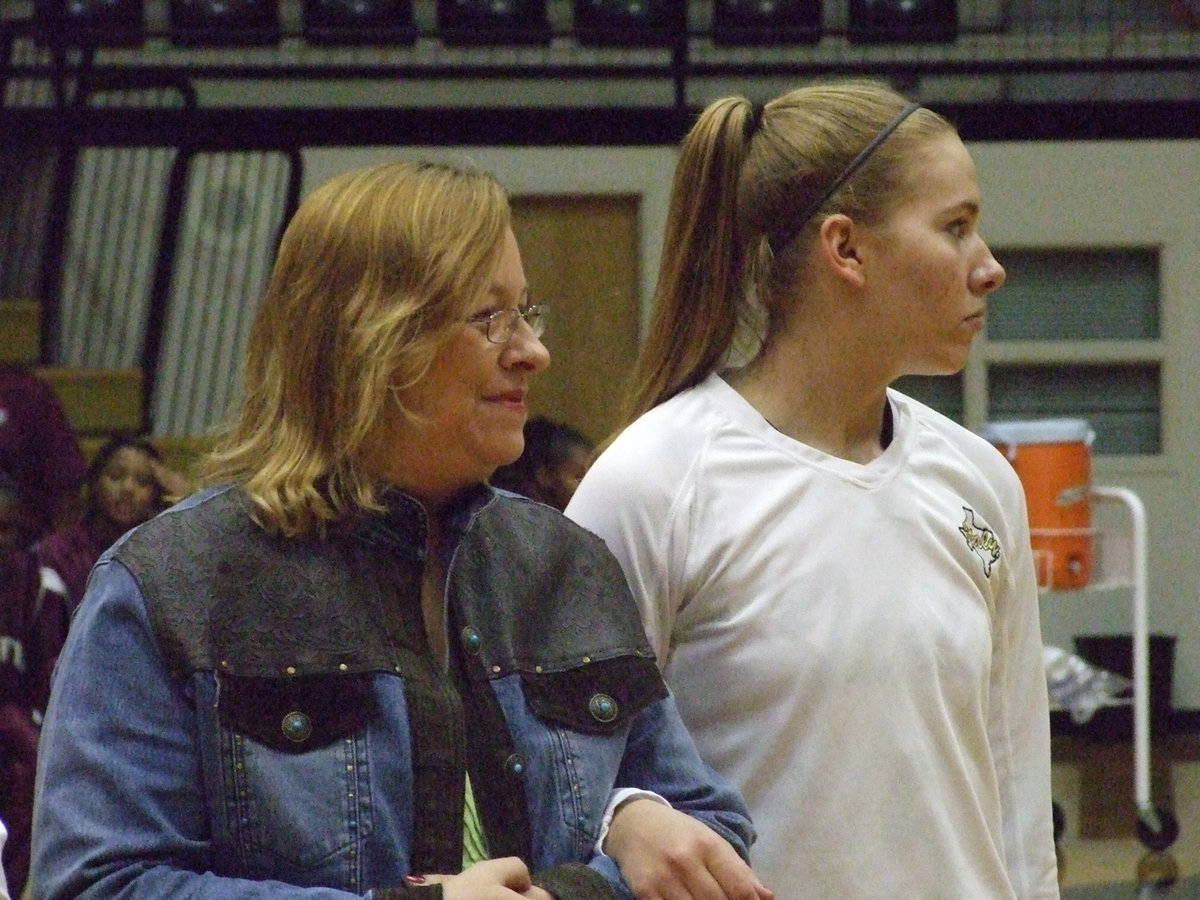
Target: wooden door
[(581, 258)]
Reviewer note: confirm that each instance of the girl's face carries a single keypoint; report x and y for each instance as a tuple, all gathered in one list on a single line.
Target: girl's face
[(932, 271), (557, 484), (126, 491)]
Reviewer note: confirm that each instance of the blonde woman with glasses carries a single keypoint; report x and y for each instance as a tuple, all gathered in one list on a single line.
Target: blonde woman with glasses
[(349, 667)]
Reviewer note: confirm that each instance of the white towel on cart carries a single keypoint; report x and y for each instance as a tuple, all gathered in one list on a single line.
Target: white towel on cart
[(1081, 688)]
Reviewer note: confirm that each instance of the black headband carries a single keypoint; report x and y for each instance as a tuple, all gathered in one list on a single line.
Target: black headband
[(794, 223)]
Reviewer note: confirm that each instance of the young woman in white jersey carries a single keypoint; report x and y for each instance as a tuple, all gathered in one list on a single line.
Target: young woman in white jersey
[(837, 580)]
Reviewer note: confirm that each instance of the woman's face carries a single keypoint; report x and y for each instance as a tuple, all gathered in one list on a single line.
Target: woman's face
[(473, 402), (931, 271), (126, 491)]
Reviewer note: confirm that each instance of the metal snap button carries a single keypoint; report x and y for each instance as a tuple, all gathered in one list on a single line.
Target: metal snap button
[(471, 640), (603, 708), (296, 727)]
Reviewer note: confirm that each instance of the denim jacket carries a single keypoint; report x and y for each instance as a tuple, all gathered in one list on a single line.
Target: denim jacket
[(240, 715)]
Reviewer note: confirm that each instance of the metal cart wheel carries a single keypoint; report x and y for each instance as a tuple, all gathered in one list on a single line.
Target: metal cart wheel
[(1157, 835)]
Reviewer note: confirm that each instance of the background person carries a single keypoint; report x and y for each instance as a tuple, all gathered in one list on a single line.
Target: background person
[(33, 624), (837, 579), (40, 451), (126, 484), (549, 469), (350, 666)]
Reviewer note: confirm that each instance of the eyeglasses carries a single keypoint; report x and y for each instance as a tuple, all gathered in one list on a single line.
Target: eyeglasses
[(499, 326)]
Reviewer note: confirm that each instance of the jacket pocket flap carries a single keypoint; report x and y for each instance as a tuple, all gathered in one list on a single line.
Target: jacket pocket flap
[(597, 697), (295, 715)]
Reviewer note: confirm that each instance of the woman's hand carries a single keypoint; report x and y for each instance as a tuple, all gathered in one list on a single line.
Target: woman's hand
[(494, 879), (667, 855), (172, 484)]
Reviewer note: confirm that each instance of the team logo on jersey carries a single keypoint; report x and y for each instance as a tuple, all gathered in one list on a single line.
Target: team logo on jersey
[(980, 539)]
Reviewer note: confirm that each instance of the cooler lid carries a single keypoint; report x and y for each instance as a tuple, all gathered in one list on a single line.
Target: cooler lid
[(1038, 431)]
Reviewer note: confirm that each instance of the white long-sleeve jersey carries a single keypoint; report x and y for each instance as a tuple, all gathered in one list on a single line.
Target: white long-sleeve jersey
[(857, 646)]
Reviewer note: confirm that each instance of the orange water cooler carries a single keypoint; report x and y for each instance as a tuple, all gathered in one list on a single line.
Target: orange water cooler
[(1053, 459)]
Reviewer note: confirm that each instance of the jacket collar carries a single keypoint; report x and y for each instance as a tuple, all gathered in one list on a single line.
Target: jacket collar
[(403, 524)]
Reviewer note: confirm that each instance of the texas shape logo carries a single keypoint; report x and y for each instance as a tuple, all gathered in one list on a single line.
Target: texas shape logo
[(980, 539)]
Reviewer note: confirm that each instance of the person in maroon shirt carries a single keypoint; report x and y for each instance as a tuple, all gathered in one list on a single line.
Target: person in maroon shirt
[(125, 485), (33, 626), (39, 449)]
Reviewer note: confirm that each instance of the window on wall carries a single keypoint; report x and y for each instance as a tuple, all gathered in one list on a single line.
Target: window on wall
[(943, 393), (1076, 333)]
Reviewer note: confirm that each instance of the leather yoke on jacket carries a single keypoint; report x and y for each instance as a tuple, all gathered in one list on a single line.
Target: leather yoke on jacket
[(223, 595)]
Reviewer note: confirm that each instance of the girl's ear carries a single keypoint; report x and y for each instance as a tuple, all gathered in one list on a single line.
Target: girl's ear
[(840, 248)]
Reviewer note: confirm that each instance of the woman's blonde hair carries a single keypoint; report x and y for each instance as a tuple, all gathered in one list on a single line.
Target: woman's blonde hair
[(375, 272), (732, 247)]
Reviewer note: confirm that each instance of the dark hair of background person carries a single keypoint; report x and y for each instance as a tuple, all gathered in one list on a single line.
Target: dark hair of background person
[(544, 469)]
